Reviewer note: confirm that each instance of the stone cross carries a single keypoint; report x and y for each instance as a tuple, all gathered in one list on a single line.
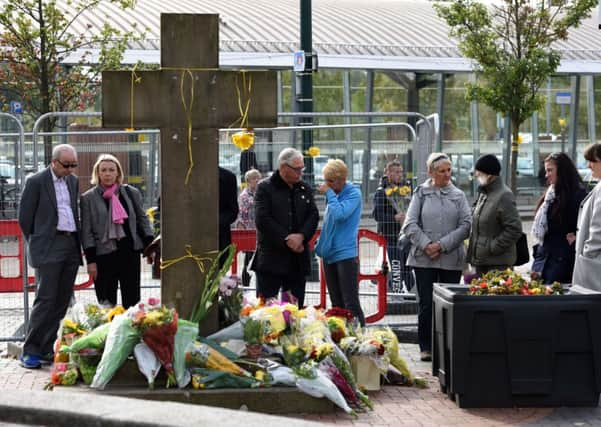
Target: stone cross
[(188, 94)]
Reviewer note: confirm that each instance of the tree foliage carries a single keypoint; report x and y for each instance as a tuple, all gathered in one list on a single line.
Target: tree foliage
[(48, 63), (512, 42)]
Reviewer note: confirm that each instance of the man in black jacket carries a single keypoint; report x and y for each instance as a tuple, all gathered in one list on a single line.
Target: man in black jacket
[(228, 207), (389, 215), (286, 217)]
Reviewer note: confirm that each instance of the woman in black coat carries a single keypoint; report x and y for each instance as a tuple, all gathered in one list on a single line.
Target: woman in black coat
[(554, 226)]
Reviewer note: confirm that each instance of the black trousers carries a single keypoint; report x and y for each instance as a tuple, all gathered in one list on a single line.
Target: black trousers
[(121, 267), (268, 285), (343, 286), (55, 288), (425, 278), (245, 276)]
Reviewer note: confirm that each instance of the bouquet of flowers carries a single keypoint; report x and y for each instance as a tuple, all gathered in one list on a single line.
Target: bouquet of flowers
[(337, 319), (62, 374), (230, 300), (158, 326), (507, 282), (399, 197)]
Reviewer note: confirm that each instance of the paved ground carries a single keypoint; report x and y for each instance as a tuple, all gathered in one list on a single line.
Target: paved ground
[(394, 405)]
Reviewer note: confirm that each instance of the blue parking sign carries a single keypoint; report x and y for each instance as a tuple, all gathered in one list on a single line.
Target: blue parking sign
[(16, 107)]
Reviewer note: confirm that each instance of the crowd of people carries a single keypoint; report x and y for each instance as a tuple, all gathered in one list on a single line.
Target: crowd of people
[(113, 231)]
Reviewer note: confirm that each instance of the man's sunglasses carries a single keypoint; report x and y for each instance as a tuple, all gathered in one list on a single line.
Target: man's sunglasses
[(67, 165)]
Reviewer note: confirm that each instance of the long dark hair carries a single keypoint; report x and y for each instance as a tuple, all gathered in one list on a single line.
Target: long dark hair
[(568, 183)]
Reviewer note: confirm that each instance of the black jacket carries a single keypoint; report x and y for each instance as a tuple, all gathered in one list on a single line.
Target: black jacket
[(280, 211), (555, 258), (383, 212), (228, 205)]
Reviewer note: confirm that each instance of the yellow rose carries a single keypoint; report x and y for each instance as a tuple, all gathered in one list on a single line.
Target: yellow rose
[(243, 139), (389, 191), (313, 151), (404, 190)]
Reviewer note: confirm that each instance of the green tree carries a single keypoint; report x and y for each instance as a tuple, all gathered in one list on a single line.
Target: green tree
[(512, 44), (38, 41)]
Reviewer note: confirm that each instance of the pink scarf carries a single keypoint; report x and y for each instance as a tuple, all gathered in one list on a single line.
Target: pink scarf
[(118, 213)]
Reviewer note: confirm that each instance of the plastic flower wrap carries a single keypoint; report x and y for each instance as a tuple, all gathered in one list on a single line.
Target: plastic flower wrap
[(391, 344), (158, 326), (243, 139), (364, 344), (186, 333), (121, 339), (399, 196), (202, 355), (148, 362), (508, 282)]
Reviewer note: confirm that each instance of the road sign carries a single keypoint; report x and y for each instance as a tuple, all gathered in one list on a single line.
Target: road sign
[(563, 98), (16, 107), (299, 61)]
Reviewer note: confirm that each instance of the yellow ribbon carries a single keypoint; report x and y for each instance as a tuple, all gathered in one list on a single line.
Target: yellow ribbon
[(198, 259), (187, 104), (188, 111), (246, 91), (135, 78)]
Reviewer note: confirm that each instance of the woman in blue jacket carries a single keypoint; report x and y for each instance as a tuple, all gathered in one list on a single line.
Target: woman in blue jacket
[(337, 244)]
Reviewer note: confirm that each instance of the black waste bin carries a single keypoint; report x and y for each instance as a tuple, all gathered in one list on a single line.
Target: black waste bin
[(515, 350)]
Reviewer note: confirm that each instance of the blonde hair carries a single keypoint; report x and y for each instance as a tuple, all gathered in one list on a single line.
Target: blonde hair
[(252, 173), (435, 159), (106, 158), (335, 168)]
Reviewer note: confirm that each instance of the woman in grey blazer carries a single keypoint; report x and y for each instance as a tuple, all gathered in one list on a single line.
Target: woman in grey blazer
[(438, 221), (115, 230), (588, 233)]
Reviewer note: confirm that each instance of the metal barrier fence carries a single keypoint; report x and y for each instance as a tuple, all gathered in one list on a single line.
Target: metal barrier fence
[(138, 152)]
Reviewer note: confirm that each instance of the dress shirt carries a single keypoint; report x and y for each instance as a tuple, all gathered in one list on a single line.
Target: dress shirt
[(66, 222)]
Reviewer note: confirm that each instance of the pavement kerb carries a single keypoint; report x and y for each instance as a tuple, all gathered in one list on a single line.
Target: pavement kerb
[(64, 408)]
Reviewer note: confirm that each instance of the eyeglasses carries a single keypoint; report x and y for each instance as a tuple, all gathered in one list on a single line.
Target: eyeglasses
[(67, 165), (297, 170)]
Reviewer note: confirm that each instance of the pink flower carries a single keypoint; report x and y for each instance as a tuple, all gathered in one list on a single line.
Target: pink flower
[(153, 301)]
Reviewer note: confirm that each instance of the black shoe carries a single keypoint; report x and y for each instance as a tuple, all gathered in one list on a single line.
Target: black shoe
[(425, 356)]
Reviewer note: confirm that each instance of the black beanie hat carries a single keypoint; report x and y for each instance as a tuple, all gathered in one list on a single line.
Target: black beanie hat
[(489, 164)]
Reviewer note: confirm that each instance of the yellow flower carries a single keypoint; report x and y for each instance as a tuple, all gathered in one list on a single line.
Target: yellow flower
[(313, 151), (115, 311), (389, 191), (520, 139), (404, 190), (260, 375), (562, 122), (153, 317), (243, 139)]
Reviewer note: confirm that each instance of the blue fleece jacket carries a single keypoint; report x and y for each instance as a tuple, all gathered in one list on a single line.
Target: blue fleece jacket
[(338, 238)]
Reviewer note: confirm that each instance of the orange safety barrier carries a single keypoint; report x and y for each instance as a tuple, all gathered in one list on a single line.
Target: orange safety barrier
[(9, 229), (245, 241)]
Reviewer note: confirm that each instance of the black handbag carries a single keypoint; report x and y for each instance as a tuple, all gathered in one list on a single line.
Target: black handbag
[(521, 248)]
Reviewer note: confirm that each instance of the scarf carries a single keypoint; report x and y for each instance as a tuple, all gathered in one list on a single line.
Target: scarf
[(540, 224), (116, 217), (118, 213)]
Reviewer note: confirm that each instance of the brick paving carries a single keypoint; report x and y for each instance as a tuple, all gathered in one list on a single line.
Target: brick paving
[(393, 405)]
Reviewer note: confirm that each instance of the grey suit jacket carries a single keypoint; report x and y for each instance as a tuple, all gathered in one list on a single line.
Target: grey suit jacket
[(38, 214), (588, 242), (94, 217)]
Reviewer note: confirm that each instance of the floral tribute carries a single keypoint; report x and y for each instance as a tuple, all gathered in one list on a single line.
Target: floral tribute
[(507, 282), (158, 325), (399, 196)]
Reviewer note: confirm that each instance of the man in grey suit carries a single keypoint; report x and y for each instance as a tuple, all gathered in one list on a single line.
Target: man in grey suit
[(49, 219)]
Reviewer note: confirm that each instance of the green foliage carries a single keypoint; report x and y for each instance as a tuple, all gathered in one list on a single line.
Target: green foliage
[(253, 331), (38, 40), (210, 289), (512, 44)]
